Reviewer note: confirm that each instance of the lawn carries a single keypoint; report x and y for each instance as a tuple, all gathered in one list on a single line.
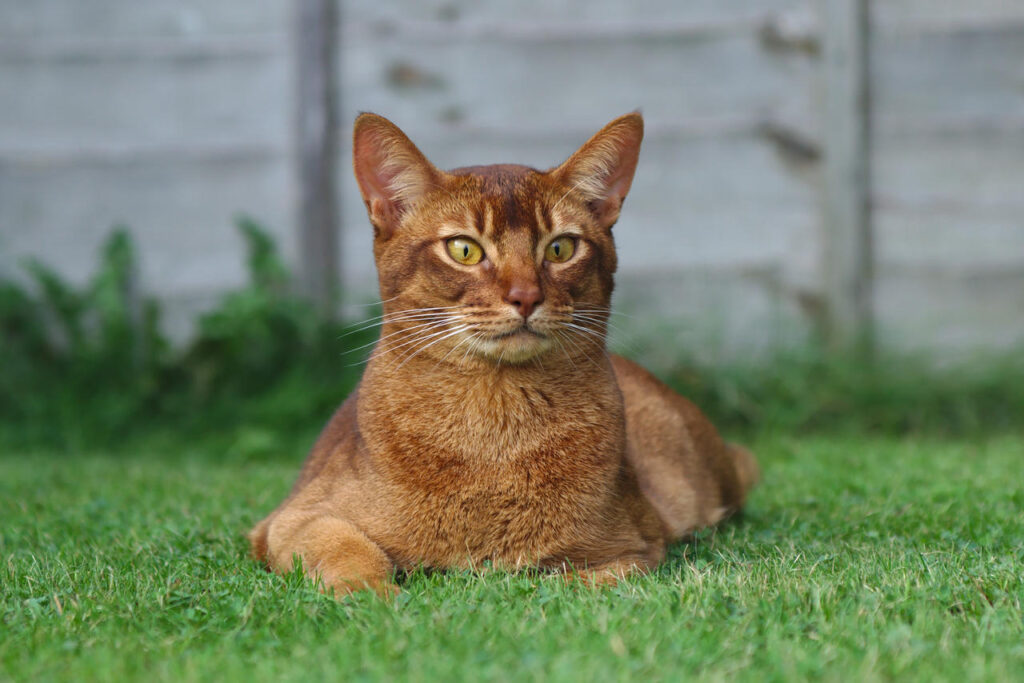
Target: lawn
[(858, 558)]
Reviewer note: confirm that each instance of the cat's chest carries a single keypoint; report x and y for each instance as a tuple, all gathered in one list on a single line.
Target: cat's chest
[(509, 474), (458, 513)]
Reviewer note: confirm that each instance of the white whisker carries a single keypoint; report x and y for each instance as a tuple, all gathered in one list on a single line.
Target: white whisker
[(374, 303), (384, 320), (587, 330), (452, 350), (404, 330), (625, 339), (558, 340), (457, 330), (418, 336), (600, 309), (421, 337), (582, 351), (424, 309)]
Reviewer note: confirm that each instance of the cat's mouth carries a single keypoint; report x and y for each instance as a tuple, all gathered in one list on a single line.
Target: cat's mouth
[(523, 330), (517, 345)]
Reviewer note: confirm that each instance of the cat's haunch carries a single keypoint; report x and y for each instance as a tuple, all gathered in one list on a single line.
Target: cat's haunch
[(491, 424)]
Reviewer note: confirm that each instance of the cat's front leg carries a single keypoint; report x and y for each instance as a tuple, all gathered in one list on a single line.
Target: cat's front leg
[(332, 550)]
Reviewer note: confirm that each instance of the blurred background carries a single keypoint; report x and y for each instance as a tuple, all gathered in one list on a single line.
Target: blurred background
[(816, 174)]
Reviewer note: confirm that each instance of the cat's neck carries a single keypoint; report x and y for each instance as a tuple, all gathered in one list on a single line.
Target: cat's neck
[(483, 409), (467, 378)]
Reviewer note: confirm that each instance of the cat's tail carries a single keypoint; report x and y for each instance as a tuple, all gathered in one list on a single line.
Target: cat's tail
[(747, 470)]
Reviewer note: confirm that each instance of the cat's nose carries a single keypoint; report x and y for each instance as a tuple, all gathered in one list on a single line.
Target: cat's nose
[(525, 297)]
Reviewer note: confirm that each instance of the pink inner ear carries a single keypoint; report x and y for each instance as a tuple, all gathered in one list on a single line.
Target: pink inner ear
[(621, 178), (390, 171), (615, 150), (628, 135), (602, 169), (370, 165)]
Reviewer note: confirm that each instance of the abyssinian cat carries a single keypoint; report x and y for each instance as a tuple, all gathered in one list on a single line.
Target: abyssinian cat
[(490, 423)]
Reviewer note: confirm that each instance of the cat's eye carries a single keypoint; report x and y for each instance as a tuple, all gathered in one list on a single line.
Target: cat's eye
[(560, 250), (465, 251)]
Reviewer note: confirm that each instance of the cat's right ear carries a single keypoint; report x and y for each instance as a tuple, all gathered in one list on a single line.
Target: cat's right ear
[(392, 173), (601, 171)]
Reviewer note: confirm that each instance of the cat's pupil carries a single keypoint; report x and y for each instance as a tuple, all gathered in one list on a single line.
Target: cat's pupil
[(558, 249), (465, 251)]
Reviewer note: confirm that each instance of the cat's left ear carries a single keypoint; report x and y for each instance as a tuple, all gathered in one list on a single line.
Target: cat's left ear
[(602, 169), (392, 173)]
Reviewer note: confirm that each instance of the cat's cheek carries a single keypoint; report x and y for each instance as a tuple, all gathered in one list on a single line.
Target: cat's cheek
[(591, 286), (575, 276), (449, 283), (584, 291)]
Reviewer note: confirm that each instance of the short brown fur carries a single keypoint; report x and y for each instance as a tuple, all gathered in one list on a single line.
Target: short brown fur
[(490, 424)]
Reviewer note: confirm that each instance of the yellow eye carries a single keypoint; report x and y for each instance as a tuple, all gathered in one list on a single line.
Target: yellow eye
[(465, 251), (560, 250)]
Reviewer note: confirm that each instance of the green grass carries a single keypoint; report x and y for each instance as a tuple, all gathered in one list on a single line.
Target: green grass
[(857, 559)]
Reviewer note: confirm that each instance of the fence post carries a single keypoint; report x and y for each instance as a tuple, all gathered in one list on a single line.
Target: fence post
[(848, 267), (315, 48)]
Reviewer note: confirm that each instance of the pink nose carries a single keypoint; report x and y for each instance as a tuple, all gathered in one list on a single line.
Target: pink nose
[(525, 298)]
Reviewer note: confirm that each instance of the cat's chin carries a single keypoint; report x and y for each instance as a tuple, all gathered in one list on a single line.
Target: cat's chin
[(515, 347)]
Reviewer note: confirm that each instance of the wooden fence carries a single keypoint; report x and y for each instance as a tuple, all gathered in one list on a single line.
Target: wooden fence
[(832, 165)]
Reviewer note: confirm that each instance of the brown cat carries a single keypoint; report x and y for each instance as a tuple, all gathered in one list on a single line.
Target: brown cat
[(490, 423)]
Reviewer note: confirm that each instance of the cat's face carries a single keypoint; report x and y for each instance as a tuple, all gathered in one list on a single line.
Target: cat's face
[(502, 263)]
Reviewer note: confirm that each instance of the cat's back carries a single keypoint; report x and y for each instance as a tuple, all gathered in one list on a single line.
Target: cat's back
[(689, 473)]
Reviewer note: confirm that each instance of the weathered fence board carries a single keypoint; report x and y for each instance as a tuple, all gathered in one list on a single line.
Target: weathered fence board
[(128, 104), (916, 16), (951, 312), (113, 18), (565, 11), (706, 313), (966, 240), (181, 212), (952, 171), (165, 116), (551, 87), (847, 258), (314, 43), (948, 168), (943, 80)]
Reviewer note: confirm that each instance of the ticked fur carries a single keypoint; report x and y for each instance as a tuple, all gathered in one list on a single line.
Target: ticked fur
[(491, 424)]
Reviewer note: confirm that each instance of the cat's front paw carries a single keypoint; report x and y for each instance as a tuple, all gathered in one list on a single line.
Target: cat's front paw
[(341, 588), (332, 552)]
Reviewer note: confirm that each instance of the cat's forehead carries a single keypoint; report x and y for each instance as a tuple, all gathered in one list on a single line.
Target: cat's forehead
[(500, 179), (506, 196)]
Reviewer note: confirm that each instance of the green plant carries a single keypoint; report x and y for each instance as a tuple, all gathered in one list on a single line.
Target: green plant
[(71, 351), (91, 364), (256, 333)]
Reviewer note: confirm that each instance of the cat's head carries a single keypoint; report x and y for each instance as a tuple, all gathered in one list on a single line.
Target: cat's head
[(503, 262)]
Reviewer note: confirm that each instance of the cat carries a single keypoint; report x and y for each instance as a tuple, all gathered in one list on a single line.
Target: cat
[(490, 424)]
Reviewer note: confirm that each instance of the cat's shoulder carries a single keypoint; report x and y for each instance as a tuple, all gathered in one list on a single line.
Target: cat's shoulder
[(632, 373), (641, 390)]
